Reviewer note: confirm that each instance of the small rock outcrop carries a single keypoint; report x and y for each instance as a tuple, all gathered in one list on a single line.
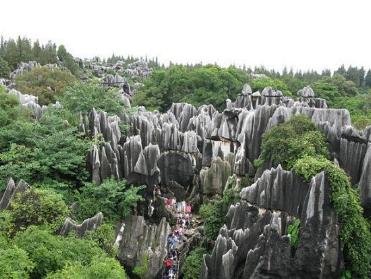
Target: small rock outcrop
[(89, 224), (10, 191)]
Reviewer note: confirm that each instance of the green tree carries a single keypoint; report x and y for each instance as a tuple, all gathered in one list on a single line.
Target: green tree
[(83, 97), (37, 207), (193, 263), (67, 60), (46, 83), (113, 198), (261, 83), (10, 109), (51, 253), (99, 268), (14, 263), (368, 79), (287, 142), (49, 149), (195, 85), (4, 68)]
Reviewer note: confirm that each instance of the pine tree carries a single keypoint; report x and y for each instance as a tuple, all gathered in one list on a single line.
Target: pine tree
[(368, 79)]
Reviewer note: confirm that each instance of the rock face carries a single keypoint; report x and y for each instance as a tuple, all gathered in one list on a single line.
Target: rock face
[(181, 144), (365, 182), (139, 240), (10, 191), (255, 242), (89, 224)]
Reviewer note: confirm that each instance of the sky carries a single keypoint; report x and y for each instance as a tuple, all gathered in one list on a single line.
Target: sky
[(298, 34)]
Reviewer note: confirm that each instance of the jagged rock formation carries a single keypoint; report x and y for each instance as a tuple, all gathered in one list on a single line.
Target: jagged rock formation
[(139, 240), (11, 190), (181, 144), (255, 243), (80, 229)]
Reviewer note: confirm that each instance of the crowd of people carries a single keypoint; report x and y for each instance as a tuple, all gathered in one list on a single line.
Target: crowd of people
[(183, 222)]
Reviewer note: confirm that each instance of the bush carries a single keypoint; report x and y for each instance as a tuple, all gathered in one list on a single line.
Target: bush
[(214, 214), (142, 269), (104, 236), (14, 263), (261, 83), (287, 142), (354, 228), (50, 148), (105, 268), (4, 68), (46, 83), (195, 85), (10, 109), (51, 253), (112, 198), (83, 97), (294, 230), (193, 263), (37, 207)]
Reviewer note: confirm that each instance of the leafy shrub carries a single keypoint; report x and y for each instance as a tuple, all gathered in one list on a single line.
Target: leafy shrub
[(195, 85), (142, 269), (19, 162), (354, 228), (214, 214), (102, 268), (287, 142), (50, 148), (14, 263), (293, 230), (83, 97), (51, 253), (112, 198), (261, 83), (104, 236), (4, 68), (37, 207), (46, 83), (193, 263), (10, 109)]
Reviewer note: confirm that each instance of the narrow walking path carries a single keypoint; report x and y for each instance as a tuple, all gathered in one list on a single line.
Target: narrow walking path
[(184, 223)]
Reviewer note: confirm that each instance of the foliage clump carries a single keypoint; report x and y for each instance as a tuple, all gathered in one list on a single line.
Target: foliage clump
[(193, 263), (83, 97), (46, 83), (287, 142), (37, 207), (293, 230), (113, 198), (142, 269), (214, 213), (196, 85)]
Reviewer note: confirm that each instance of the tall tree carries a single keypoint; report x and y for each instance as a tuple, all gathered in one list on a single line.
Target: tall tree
[(368, 79)]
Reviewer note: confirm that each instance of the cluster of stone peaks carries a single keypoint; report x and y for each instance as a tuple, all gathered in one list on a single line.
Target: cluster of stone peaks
[(196, 149), (192, 151)]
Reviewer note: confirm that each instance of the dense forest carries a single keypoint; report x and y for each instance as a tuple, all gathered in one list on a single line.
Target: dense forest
[(59, 113)]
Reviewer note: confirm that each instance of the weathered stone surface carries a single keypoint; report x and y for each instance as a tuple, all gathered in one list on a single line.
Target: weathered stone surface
[(254, 242), (10, 191), (365, 182), (80, 229), (213, 179), (176, 166), (185, 138), (139, 239)]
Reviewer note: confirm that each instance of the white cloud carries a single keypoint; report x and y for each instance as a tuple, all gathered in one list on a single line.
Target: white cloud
[(306, 34)]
